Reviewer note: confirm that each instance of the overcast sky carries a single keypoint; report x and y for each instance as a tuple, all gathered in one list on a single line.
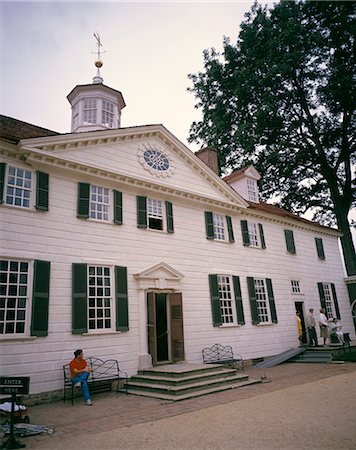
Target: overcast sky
[(150, 47)]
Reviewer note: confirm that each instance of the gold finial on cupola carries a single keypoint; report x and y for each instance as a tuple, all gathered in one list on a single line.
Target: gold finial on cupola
[(98, 63)]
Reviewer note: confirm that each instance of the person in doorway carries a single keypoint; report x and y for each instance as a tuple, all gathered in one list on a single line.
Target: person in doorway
[(300, 328), (311, 323), (335, 328), (79, 372), (323, 325)]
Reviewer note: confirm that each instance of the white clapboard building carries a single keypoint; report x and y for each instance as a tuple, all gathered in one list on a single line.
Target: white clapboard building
[(124, 243)]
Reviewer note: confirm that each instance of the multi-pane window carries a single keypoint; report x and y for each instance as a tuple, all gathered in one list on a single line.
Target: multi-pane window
[(253, 234), (100, 302), (251, 190), (89, 111), (329, 303), (226, 299), (99, 203), (14, 279), (75, 115), (262, 300), (18, 189), (295, 287), (155, 214), (219, 227), (107, 114)]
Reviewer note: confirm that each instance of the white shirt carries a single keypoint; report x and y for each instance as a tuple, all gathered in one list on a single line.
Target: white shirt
[(322, 319)]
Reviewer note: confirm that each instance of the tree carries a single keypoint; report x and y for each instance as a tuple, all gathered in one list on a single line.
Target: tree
[(283, 99)]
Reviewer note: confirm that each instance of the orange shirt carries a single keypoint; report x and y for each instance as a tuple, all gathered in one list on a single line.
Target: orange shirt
[(79, 365)]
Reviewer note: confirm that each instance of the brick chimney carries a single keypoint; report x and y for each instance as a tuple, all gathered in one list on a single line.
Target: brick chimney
[(209, 156)]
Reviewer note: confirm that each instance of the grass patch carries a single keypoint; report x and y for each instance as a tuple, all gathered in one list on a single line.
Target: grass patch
[(347, 356)]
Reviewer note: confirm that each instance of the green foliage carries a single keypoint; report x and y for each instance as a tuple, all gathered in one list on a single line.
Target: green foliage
[(283, 98)]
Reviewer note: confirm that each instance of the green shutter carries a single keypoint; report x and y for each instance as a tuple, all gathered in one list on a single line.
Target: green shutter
[(322, 295), (262, 235), (253, 302), (272, 305), (336, 304), (238, 300), (169, 217), (42, 191), (215, 300), (2, 181), (230, 229), (79, 298), (83, 200), (122, 309), (320, 248), (288, 234), (141, 211), (40, 298), (244, 230), (118, 207), (209, 225)]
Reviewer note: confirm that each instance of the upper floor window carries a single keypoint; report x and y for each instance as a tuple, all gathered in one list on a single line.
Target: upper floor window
[(154, 214), (89, 111), (252, 190), (218, 227), (19, 185), (107, 114), (295, 287), (23, 188), (252, 234), (226, 301), (290, 244), (99, 203), (320, 248)]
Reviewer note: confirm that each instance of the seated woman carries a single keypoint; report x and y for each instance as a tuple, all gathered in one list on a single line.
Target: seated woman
[(335, 329)]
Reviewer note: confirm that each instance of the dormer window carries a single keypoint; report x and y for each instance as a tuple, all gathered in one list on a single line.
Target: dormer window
[(252, 190), (107, 114), (89, 111)]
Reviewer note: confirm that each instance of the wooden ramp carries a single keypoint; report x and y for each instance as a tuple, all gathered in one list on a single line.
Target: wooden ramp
[(279, 359)]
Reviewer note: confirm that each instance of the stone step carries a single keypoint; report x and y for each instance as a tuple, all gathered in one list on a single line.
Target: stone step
[(179, 389), (174, 381), (198, 393), (181, 370)]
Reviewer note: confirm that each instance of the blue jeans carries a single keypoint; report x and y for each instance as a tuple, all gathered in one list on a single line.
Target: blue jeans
[(83, 380)]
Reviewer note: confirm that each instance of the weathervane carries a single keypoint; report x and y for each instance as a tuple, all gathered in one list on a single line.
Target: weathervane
[(98, 63)]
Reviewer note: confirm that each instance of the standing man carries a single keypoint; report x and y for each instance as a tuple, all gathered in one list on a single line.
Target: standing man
[(79, 372), (311, 323), (323, 324)]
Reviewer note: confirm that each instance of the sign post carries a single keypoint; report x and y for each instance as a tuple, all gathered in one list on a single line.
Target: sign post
[(13, 386)]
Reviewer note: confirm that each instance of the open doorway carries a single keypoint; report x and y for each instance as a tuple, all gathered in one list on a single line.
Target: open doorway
[(299, 307), (165, 327)]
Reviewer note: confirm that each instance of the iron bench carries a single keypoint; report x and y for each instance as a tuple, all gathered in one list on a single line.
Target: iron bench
[(103, 372), (220, 354)]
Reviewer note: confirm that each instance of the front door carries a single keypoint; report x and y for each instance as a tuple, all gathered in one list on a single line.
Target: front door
[(299, 308), (165, 327)]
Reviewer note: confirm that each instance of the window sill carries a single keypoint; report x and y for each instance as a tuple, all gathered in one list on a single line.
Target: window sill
[(18, 338), (30, 209), (265, 324), (100, 333), (230, 325)]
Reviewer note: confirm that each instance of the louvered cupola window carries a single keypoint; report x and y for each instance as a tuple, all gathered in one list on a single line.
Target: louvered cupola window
[(107, 114)]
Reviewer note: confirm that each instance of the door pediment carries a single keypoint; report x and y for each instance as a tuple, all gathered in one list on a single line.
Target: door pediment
[(159, 276)]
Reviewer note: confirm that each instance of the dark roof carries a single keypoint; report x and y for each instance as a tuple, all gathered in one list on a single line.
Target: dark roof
[(13, 130), (276, 211)]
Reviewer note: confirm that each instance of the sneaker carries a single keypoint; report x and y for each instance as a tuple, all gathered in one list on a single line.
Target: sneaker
[(78, 385), (88, 402)]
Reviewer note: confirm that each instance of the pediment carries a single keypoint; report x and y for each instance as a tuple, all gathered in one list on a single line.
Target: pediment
[(159, 276)]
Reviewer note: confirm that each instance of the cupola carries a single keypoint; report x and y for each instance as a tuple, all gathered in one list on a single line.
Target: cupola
[(95, 106)]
